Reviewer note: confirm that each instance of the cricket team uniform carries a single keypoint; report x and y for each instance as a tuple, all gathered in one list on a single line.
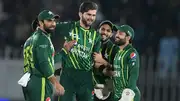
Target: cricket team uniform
[(77, 64), (108, 51), (126, 68), (39, 62)]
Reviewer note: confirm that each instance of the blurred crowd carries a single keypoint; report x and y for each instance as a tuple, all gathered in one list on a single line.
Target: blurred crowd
[(156, 24)]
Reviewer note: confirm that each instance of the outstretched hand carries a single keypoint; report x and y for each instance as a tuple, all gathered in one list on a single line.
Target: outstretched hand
[(69, 45)]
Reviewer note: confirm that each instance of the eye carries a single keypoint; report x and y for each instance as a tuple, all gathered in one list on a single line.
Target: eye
[(108, 30), (103, 29)]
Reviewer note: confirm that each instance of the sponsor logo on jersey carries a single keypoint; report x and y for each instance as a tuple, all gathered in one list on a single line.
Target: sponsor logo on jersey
[(133, 55), (48, 99)]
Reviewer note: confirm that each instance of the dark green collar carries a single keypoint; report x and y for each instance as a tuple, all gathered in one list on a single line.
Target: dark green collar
[(128, 46), (106, 41), (43, 32)]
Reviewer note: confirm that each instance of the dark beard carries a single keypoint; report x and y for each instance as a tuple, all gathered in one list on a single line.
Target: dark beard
[(85, 22), (48, 30), (120, 42)]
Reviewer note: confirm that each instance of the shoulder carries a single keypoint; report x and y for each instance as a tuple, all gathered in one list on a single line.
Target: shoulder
[(28, 42), (40, 39), (132, 54)]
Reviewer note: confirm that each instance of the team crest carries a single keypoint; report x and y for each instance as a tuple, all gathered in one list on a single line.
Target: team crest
[(132, 55), (48, 99)]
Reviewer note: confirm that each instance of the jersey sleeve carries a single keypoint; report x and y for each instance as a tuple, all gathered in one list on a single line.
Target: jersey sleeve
[(43, 56), (133, 64), (97, 44)]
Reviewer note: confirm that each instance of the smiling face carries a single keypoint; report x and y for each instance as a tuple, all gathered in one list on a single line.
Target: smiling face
[(88, 17), (48, 25), (121, 38), (105, 31)]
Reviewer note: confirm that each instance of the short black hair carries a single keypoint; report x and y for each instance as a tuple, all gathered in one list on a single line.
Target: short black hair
[(87, 5)]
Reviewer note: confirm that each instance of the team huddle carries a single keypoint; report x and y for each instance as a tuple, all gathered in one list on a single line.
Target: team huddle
[(96, 65)]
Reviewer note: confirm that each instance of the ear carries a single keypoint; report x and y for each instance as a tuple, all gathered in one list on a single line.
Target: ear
[(80, 14), (128, 38), (40, 23)]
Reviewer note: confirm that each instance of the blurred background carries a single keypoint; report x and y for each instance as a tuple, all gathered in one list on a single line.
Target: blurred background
[(157, 33)]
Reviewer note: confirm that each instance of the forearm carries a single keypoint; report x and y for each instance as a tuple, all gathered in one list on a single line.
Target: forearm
[(46, 69), (133, 79), (53, 80)]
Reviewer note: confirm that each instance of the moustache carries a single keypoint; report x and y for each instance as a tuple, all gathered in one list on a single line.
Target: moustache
[(52, 27), (117, 38), (90, 20), (103, 34)]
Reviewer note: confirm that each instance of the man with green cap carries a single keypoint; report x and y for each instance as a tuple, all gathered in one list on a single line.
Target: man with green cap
[(126, 66), (103, 83), (38, 79), (76, 76)]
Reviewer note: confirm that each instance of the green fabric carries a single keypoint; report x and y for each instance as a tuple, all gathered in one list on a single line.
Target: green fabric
[(46, 15), (88, 41), (77, 82), (39, 55), (126, 67), (33, 91), (108, 51)]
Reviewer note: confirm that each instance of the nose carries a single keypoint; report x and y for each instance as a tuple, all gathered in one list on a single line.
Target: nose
[(103, 32)]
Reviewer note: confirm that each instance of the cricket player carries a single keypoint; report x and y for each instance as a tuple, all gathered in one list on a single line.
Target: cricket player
[(39, 61), (108, 51), (126, 66), (76, 77)]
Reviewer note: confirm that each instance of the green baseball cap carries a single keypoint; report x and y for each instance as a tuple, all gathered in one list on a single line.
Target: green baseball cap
[(47, 15), (127, 29), (109, 23)]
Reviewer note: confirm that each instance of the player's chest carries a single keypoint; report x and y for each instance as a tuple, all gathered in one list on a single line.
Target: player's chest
[(85, 38), (105, 53), (120, 61)]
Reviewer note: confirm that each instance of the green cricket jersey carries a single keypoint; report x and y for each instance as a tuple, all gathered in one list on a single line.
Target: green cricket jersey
[(88, 41), (39, 55), (126, 68), (108, 51)]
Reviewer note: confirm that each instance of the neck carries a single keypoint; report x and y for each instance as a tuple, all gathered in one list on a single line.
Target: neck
[(105, 41), (83, 25), (43, 30), (123, 46)]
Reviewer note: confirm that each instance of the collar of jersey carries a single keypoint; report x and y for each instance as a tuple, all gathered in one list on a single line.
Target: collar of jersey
[(127, 47), (44, 33), (78, 25), (106, 41)]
